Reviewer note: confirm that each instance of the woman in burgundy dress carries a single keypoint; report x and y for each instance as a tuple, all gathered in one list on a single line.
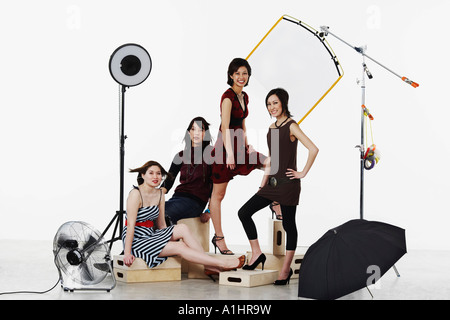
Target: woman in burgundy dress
[(232, 153), (281, 183)]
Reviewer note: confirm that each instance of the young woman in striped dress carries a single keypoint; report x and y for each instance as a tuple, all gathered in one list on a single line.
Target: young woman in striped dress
[(146, 235)]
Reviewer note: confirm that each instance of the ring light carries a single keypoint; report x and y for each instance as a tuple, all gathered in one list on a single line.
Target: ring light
[(130, 65)]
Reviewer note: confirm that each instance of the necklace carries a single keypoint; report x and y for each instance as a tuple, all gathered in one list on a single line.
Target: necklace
[(278, 126), (240, 97), (191, 169)]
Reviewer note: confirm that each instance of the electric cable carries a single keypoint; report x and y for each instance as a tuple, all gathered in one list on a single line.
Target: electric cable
[(32, 292)]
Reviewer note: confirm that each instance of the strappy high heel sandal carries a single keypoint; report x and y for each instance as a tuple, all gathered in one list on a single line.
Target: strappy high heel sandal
[(278, 216), (214, 242)]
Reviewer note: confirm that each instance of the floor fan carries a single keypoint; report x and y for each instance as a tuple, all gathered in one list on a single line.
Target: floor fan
[(82, 258)]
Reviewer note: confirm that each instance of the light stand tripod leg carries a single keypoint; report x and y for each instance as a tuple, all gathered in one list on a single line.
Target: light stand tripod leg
[(396, 271), (369, 292)]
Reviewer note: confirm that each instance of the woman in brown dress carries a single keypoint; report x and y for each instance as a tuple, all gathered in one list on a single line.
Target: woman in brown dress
[(281, 182)]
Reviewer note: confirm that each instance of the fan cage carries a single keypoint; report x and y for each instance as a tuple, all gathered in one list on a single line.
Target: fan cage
[(81, 256)]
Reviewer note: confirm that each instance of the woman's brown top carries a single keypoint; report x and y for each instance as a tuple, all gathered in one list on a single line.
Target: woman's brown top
[(283, 153)]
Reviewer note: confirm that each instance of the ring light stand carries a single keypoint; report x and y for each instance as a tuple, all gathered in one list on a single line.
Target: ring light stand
[(129, 65)]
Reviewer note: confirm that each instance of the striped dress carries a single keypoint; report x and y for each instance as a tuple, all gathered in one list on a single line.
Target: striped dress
[(148, 242)]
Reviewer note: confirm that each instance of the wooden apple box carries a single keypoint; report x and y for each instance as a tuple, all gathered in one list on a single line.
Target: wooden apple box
[(247, 278), (277, 237), (169, 270)]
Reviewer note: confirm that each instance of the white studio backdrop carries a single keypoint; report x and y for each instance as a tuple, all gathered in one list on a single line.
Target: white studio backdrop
[(60, 110)]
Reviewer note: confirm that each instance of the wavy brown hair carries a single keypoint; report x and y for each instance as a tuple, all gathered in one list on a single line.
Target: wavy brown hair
[(143, 169)]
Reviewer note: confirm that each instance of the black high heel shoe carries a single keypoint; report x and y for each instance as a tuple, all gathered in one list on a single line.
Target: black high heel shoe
[(261, 259), (285, 281), (278, 216), (214, 242)]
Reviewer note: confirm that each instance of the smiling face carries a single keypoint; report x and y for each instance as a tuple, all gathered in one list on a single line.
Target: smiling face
[(274, 106), (153, 176), (240, 77)]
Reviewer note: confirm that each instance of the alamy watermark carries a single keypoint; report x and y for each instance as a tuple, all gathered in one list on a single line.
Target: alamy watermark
[(73, 20), (237, 138), (373, 21), (373, 281)]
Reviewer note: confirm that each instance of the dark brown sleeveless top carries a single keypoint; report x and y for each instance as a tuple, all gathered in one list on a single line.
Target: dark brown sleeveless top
[(283, 153)]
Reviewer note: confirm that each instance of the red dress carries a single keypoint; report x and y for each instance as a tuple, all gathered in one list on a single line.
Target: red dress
[(245, 162)]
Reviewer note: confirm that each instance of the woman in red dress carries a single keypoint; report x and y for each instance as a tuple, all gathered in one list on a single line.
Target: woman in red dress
[(232, 153)]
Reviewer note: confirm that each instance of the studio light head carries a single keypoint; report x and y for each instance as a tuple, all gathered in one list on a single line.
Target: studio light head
[(130, 64)]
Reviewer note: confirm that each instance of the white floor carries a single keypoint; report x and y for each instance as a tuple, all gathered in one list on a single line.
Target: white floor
[(28, 266)]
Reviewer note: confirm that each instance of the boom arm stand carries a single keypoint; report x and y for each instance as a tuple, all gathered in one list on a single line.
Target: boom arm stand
[(362, 82)]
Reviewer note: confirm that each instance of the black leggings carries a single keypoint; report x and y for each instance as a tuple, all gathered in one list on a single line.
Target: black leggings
[(255, 204)]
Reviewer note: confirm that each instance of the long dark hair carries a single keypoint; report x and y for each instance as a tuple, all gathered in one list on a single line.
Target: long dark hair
[(189, 156), (283, 95), (202, 123), (235, 64), (143, 169)]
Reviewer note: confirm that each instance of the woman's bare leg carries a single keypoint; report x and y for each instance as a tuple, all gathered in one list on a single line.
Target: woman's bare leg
[(256, 250), (178, 248), (218, 194), (191, 250), (284, 272), (182, 231)]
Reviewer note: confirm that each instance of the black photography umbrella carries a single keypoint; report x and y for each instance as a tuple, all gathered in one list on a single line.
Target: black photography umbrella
[(340, 262)]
